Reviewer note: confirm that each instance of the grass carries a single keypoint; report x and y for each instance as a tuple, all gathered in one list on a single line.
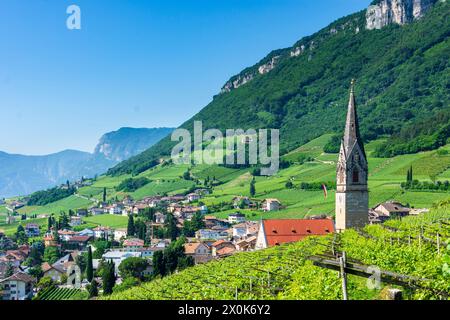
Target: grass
[(10, 229), (72, 202), (109, 220)]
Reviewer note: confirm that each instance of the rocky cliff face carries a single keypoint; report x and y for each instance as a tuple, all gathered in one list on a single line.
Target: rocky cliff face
[(127, 142), (385, 12)]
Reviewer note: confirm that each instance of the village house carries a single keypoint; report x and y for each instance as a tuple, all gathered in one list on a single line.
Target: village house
[(191, 197), (241, 202), (171, 208), (153, 202), (127, 201), (75, 221), (50, 241), (278, 231), (78, 242), (222, 248), (388, 210), (199, 251), (236, 218), (271, 205), (246, 244), (210, 234), (54, 272), (116, 208), (61, 267), (32, 230), (15, 257), (246, 229), (82, 212), (139, 208), (133, 243), (65, 234), (159, 218), (97, 211), (19, 286), (117, 257), (160, 243), (212, 221), (87, 232), (120, 233), (101, 232)]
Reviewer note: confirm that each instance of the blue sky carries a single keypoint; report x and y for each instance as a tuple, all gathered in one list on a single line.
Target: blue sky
[(136, 63)]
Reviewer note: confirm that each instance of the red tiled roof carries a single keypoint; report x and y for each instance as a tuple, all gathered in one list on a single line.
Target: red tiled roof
[(280, 231), (225, 251), (80, 238), (20, 276), (133, 243)]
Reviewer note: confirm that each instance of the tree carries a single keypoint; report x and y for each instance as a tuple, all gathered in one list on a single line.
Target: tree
[(20, 235), (104, 194), (171, 227), (126, 284), (158, 264), (89, 267), (81, 261), (46, 283), (36, 271), (108, 277), (9, 270), (49, 222), (133, 267), (289, 185), (130, 227), (187, 175), (100, 247), (35, 256), (252, 187), (51, 254), (141, 229), (93, 289), (63, 222), (185, 262)]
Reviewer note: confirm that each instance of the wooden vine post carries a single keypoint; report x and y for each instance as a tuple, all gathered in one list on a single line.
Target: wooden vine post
[(342, 263)]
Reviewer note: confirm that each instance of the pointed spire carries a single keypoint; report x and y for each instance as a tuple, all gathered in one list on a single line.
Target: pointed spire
[(351, 133)]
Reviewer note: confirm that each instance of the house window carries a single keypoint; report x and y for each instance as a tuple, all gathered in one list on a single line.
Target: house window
[(355, 175)]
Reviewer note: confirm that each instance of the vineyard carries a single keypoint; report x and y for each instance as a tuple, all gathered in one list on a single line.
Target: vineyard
[(414, 248), (59, 294)]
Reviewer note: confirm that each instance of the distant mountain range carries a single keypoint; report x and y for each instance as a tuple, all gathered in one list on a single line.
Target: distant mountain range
[(21, 174)]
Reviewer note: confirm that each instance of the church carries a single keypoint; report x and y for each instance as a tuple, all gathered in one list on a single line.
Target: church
[(352, 197)]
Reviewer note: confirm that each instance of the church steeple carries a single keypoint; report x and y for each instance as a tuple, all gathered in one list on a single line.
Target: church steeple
[(351, 133), (352, 198)]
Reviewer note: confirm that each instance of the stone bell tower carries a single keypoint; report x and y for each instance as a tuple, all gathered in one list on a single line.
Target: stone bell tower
[(352, 198)]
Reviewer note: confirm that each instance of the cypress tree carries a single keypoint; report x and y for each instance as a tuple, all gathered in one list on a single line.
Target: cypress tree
[(130, 227), (109, 278), (252, 188), (93, 290), (89, 267), (104, 194)]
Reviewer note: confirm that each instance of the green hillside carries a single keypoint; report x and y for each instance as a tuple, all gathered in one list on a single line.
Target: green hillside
[(285, 273), (402, 87), (385, 178)]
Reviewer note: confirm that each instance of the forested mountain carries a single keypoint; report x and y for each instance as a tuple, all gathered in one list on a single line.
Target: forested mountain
[(398, 51)]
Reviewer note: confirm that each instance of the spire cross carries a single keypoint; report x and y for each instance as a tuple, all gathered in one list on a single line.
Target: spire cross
[(352, 84)]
